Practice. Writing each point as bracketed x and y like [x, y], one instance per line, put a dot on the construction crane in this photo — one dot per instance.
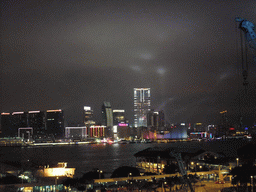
[182, 168]
[247, 28]
[246, 32]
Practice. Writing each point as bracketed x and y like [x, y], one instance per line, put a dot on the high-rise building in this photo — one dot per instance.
[19, 119]
[11, 122]
[6, 125]
[152, 119]
[88, 116]
[161, 119]
[107, 114]
[36, 120]
[155, 119]
[121, 126]
[32, 123]
[141, 106]
[119, 116]
[55, 123]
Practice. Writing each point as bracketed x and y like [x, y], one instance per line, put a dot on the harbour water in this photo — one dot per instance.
[106, 157]
[84, 158]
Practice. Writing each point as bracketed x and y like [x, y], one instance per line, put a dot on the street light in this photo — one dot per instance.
[192, 163]
[56, 181]
[100, 174]
[100, 171]
[237, 161]
[252, 183]
[129, 175]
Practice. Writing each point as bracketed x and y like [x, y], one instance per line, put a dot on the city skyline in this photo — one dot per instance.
[68, 54]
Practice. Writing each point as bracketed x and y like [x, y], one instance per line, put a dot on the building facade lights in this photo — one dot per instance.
[141, 106]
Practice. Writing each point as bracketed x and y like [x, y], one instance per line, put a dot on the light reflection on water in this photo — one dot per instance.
[103, 156]
[83, 157]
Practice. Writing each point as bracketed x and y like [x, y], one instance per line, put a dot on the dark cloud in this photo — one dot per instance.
[66, 54]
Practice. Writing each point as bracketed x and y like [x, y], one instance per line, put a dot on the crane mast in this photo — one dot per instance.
[247, 28]
[182, 168]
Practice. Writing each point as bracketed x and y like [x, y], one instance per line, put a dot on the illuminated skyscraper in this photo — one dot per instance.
[141, 106]
[152, 119]
[107, 114]
[88, 116]
[118, 116]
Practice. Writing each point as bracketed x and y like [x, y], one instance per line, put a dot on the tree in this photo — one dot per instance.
[125, 171]
[10, 179]
[243, 174]
[91, 175]
[247, 153]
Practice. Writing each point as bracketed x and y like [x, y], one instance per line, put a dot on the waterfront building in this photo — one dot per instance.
[55, 123]
[121, 127]
[119, 116]
[199, 127]
[76, 132]
[8, 141]
[25, 133]
[22, 124]
[153, 119]
[141, 106]
[223, 127]
[36, 120]
[195, 160]
[121, 131]
[161, 119]
[11, 122]
[61, 170]
[88, 116]
[36, 124]
[97, 131]
[7, 129]
[107, 116]
[19, 120]
[178, 131]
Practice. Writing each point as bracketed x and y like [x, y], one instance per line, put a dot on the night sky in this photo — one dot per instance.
[68, 54]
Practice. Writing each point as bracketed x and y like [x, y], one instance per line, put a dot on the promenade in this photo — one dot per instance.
[200, 186]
